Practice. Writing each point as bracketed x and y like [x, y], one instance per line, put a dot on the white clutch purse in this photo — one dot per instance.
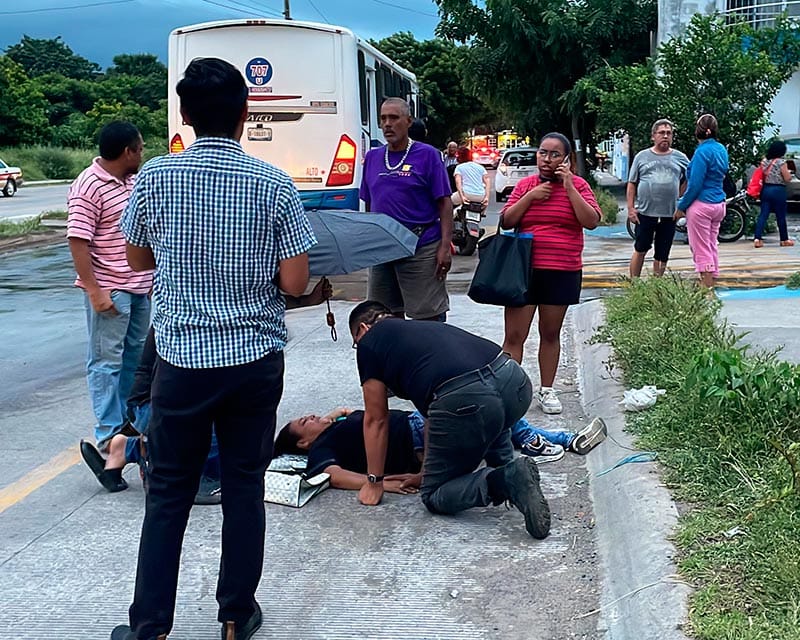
[286, 484]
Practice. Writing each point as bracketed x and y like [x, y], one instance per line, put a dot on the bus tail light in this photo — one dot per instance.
[343, 169]
[176, 144]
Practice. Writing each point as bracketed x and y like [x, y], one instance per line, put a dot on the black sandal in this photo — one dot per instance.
[111, 479]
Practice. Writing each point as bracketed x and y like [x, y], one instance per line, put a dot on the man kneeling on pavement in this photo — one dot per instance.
[471, 394]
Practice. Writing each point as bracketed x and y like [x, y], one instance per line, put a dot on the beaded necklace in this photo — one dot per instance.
[402, 160]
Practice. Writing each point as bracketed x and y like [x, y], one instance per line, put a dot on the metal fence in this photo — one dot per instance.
[762, 14]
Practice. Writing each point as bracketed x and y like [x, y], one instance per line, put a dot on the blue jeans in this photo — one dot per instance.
[521, 432]
[773, 200]
[141, 422]
[114, 349]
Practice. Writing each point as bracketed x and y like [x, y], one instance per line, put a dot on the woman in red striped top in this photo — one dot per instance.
[555, 206]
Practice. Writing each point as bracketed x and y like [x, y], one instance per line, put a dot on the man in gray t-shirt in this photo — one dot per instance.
[655, 182]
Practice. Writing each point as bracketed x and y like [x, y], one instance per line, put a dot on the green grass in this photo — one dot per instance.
[54, 215]
[47, 163]
[728, 433]
[16, 229]
[793, 281]
[59, 163]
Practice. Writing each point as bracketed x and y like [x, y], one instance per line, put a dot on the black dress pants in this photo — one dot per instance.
[241, 403]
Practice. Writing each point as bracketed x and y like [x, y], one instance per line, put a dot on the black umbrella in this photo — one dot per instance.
[349, 241]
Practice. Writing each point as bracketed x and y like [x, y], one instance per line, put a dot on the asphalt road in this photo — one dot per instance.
[30, 201]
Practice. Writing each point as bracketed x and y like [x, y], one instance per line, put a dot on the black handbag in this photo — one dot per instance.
[504, 270]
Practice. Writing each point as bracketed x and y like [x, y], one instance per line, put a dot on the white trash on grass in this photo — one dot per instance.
[640, 399]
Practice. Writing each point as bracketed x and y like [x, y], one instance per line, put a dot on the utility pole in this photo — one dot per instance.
[287, 12]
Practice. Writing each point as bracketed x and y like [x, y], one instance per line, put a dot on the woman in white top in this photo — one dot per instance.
[472, 181]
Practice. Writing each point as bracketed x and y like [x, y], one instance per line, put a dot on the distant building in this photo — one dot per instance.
[674, 15]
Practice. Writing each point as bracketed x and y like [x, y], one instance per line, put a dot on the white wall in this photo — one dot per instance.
[674, 15]
[786, 107]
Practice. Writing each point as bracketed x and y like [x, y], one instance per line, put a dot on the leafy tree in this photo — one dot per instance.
[66, 95]
[23, 117]
[138, 64]
[438, 65]
[40, 56]
[142, 75]
[526, 56]
[150, 123]
[729, 69]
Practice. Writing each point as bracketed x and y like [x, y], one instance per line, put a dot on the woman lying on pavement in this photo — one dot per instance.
[335, 445]
[129, 446]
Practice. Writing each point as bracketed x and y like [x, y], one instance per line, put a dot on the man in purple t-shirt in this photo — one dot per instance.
[407, 181]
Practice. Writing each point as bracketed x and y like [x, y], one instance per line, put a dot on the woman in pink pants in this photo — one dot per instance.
[703, 202]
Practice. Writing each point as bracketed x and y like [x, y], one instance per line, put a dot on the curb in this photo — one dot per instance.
[46, 183]
[635, 513]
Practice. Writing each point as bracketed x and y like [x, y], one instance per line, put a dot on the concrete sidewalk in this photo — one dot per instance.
[337, 570]
[333, 569]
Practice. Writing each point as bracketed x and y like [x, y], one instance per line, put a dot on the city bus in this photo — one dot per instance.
[315, 92]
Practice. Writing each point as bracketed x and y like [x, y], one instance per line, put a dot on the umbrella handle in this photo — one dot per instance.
[331, 320]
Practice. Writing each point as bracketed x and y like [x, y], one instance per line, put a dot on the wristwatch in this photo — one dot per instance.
[373, 479]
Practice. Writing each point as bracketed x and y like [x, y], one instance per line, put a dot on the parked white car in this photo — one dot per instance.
[10, 179]
[515, 164]
[793, 156]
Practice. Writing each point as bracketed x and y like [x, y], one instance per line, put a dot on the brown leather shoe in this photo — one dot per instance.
[787, 243]
[757, 244]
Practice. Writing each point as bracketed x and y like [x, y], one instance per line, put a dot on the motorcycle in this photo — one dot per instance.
[731, 228]
[467, 227]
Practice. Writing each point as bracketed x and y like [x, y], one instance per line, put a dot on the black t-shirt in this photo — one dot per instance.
[414, 357]
[342, 444]
[143, 378]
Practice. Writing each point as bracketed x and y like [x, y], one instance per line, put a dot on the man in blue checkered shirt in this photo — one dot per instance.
[225, 233]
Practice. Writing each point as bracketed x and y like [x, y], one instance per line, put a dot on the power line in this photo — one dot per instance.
[258, 8]
[74, 6]
[251, 9]
[397, 6]
[311, 2]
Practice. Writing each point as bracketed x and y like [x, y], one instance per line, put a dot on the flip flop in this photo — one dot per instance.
[111, 479]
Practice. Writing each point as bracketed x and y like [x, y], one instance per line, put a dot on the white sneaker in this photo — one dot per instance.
[548, 400]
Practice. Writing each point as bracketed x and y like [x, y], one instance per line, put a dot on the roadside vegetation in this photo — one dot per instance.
[728, 435]
[31, 226]
[608, 205]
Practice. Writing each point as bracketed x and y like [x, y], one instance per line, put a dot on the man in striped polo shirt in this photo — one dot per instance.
[115, 296]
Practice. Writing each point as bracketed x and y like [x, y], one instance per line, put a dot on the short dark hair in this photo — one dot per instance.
[463, 154]
[776, 149]
[706, 127]
[418, 131]
[286, 442]
[367, 312]
[115, 137]
[213, 94]
[555, 135]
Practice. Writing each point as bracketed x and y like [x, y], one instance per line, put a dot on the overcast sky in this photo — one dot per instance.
[101, 29]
